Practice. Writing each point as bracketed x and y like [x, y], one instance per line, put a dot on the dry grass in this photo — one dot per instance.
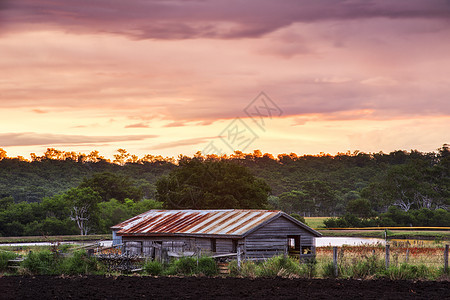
[431, 256]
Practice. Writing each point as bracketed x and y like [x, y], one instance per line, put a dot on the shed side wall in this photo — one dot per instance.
[271, 239]
[176, 244]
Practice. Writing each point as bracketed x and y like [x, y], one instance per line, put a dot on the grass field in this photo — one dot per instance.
[315, 222]
[54, 238]
[399, 234]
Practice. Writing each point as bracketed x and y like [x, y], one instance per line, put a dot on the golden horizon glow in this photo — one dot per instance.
[168, 78]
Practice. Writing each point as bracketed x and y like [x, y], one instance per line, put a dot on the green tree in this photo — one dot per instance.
[109, 185]
[211, 185]
[84, 208]
[295, 202]
[360, 207]
[320, 197]
[114, 212]
[6, 202]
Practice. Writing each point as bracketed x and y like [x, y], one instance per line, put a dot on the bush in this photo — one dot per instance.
[188, 266]
[154, 268]
[5, 256]
[78, 264]
[182, 266]
[298, 217]
[249, 269]
[278, 266]
[41, 263]
[329, 270]
[366, 268]
[410, 272]
[308, 267]
[207, 266]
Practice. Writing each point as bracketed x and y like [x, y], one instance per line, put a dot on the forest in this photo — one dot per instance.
[74, 193]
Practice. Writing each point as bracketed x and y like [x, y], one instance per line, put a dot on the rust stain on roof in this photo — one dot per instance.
[217, 222]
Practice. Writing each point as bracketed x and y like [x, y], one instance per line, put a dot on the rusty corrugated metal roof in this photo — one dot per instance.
[225, 222]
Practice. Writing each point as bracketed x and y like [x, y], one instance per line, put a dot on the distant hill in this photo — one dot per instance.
[324, 183]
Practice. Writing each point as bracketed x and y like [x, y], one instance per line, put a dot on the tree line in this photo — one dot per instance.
[39, 195]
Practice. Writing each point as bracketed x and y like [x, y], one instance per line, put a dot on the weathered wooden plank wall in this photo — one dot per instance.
[271, 239]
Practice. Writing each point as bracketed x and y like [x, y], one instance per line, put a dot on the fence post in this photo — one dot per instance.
[446, 259]
[335, 259]
[285, 254]
[407, 255]
[387, 256]
[239, 257]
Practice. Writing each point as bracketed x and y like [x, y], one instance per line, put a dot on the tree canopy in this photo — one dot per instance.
[198, 184]
[109, 185]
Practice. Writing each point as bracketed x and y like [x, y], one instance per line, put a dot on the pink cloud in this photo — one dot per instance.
[39, 111]
[137, 125]
[32, 138]
[185, 142]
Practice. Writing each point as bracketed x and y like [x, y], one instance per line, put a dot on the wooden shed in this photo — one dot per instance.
[257, 234]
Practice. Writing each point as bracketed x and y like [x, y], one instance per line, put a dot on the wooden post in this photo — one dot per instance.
[239, 257]
[387, 256]
[335, 261]
[286, 248]
[198, 256]
[407, 256]
[446, 259]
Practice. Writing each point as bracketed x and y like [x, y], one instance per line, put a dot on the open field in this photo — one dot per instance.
[315, 222]
[399, 234]
[133, 287]
[369, 261]
[54, 238]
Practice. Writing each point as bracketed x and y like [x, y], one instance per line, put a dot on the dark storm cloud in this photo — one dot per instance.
[195, 19]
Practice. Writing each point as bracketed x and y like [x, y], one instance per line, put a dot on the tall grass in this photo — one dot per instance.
[40, 263]
[365, 267]
[154, 268]
[183, 266]
[5, 256]
[50, 263]
[410, 272]
[79, 264]
[277, 266]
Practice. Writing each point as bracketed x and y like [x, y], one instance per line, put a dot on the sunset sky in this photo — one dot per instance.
[170, 77]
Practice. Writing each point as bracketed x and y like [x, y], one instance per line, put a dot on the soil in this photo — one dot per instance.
[133, 287]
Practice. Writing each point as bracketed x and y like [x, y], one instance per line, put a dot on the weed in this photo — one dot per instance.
[309, 267]
[278, 266]
[409, 272]
[190, 266]
[153, 267]
[79, 263]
